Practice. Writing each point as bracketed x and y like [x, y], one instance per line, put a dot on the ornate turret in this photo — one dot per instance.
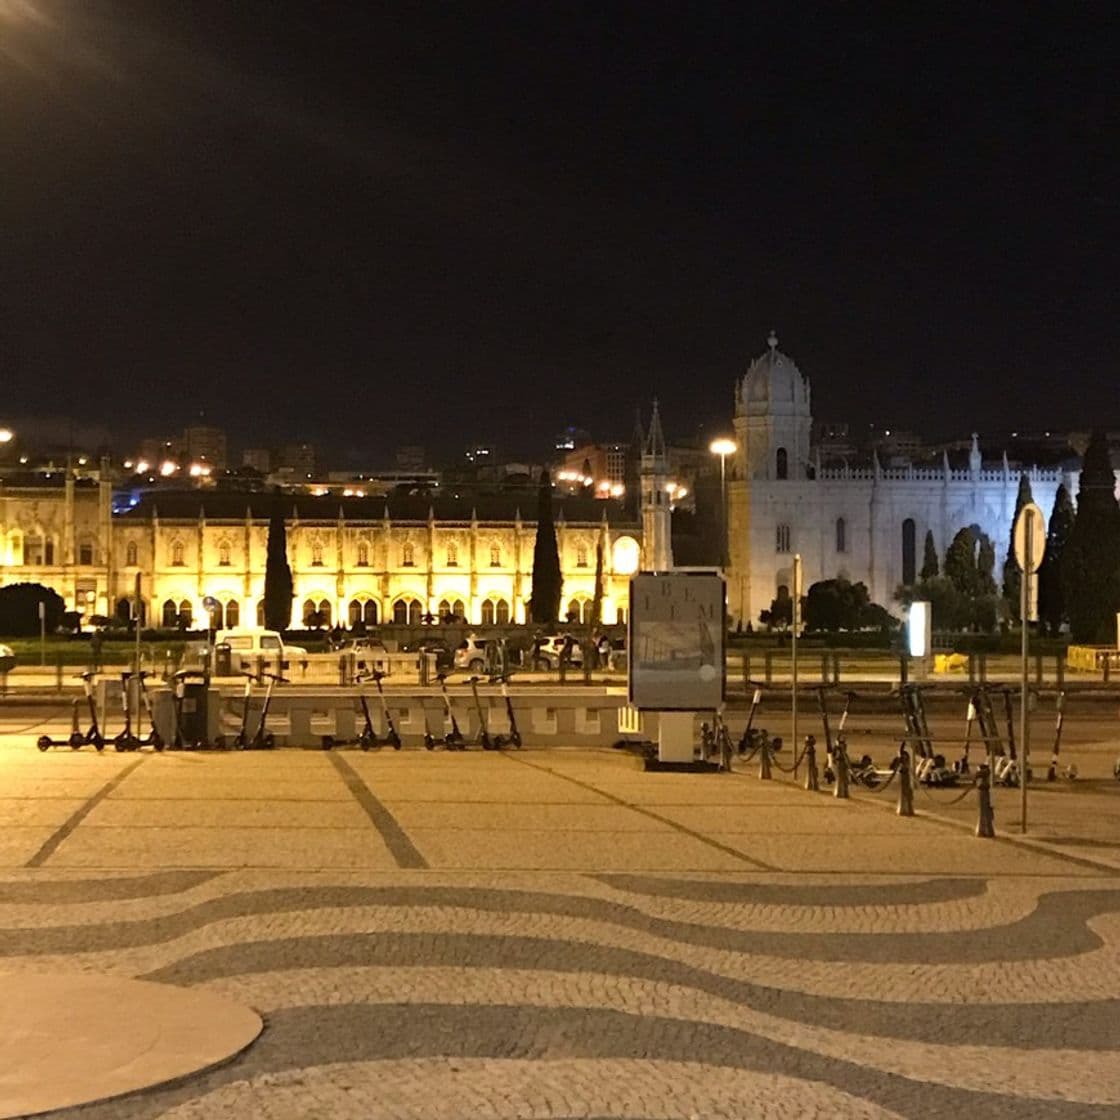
[657, 540]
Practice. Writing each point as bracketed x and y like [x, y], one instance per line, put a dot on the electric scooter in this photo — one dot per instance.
[367, 737]
[153, 738]
[862, 770]
[452, 737]
[513, 739]
[75, 740]
[93, 736]
[262, 739]
[1071, 769]
[391, 736]
[484, 740]
[125, 740]
[750, 738]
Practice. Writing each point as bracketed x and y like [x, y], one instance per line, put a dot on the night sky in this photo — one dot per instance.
[379, 223]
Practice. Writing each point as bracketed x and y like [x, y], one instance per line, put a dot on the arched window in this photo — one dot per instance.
[488, 612]
[501, 612]
[48, 550]
[841, 535]
[131, 555]
[444, 608]
[370, 612]
[233, 614]
[223, 554]
[458, 609]
[354, 612]
[176, 554]
[85, 553]
[260, 612]
[495, 556]
[309, 611]
[324, 612]
[408, 555]
[782, 539]
[406, 612]
[32, 551]
[581, 556]
[452, 555]
[363, 554]
[186, 614]
[170, 614]
[576, 610]
[123, 612]
[909, 551]
[317, 555]
[620, 615]
[782, 463]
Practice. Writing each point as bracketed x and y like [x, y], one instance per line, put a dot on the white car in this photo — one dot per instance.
[470, 654]
[553, 646]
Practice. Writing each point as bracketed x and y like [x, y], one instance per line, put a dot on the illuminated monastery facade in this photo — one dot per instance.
[866, 523]
[364, 560]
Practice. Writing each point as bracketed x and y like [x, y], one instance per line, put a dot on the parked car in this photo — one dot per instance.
[7, 659]
[470, 654]
[552, 648]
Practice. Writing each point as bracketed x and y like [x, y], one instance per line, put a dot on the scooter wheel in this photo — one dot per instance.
[327, 742]
[158, 743]
[99, 744]
[44, 743]
[76, 746]
[269, 741]
[76, 740]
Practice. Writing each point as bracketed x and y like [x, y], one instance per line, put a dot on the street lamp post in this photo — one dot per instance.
[723, 447]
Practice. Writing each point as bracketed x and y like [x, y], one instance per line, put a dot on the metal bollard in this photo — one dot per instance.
[840, 766]
[905, 784]
[764, 761]
[985, 825]
[812, 778]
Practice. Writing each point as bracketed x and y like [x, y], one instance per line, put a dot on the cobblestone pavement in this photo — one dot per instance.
[558, 934]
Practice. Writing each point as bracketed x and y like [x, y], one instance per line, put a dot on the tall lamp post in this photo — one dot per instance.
[723, 447]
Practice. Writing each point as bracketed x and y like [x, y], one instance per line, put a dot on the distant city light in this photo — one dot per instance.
[6, 435]
[199, 470]
[23, 458]
[127, 464]
[168, 468]
[142, 466]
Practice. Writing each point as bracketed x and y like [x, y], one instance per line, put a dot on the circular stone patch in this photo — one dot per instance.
[70, 1039]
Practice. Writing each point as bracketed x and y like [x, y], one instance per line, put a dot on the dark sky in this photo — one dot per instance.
[376, 223]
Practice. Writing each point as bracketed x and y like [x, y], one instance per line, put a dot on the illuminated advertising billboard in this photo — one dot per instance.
[677, 630]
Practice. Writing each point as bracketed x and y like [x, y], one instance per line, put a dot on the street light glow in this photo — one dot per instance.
[6, 435]
[723, 446]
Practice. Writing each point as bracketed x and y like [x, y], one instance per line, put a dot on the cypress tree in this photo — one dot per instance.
[960, 562]
[544, 603]
[1051, 603]
[930, 566]
[278, 588]
[1012, 573]
[985, 566]
[1090, 563]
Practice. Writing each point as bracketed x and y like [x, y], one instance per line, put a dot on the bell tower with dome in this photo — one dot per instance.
[773, 418]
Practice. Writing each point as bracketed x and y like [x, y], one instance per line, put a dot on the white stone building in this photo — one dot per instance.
[865, 523]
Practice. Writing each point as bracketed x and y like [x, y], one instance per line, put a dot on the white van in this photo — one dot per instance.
[249, 644]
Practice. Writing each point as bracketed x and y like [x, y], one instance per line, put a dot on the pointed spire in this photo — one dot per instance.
[655, 441]
[974, 458]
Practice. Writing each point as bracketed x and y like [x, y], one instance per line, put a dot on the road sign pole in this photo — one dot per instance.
[1028, 539]
[1028, 566]
[796, 616]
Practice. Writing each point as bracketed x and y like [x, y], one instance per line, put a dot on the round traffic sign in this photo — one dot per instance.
[1030, 521]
